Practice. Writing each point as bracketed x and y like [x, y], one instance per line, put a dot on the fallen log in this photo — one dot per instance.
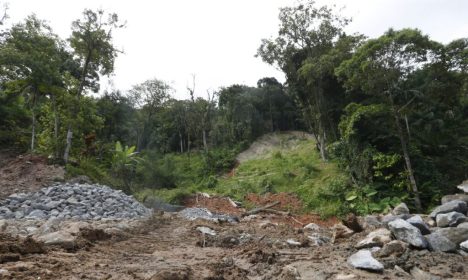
[258, 210]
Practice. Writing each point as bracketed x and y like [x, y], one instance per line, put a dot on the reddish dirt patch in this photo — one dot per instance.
[287, 201]
[215, 204]
[26, 173]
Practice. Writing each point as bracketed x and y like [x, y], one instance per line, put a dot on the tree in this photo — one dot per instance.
[91, 41]
[307, 35]
[32, 63]
[149, 97]
[381, 67]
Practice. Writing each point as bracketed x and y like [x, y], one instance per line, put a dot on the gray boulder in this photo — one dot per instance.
[401, 209]
[452, 197]
[451, 219]
[463, 225]
[363, 260]
[440, 243]
[418, 222]
[452, 206]
[408, 233]
[455, 235]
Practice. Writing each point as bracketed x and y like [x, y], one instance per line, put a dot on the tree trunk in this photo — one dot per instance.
[321, 142]
[414, 187]
[181, 140]
[33, 125]
[205, 145]
[66, 154]
[56, 121]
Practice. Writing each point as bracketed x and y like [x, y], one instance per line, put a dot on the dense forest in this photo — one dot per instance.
[391, 112]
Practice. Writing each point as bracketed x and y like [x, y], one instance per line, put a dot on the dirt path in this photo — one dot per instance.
[168, 247]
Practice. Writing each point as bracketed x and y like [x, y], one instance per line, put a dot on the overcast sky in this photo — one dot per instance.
[217, 39]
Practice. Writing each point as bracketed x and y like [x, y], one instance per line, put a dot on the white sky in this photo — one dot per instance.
[216, 39]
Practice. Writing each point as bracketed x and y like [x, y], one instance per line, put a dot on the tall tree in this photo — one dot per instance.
[91, 41]
[381, 67]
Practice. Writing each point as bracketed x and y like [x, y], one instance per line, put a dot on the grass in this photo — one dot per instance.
[292, 168]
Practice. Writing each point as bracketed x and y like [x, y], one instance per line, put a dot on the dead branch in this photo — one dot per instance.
[258, 210]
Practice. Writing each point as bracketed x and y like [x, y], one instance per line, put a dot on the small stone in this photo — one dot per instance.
[293, 242]
[395, 247]
[401, 209]
[378, 237]
[464, 245]
[37, 214]
[312, 227]
[341, 231]
[408, 233]
[418, 274]
[345, 277]
[363, 260]
[206, 230]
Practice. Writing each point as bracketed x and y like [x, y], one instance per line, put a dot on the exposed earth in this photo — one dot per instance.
[273, 244]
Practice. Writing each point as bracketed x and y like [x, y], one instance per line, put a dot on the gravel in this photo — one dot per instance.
[72, 201]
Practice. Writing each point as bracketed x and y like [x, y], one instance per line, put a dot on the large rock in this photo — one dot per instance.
[463, 225]
[370, 222]
[377, 238]
[452, 206]
[363, 260]
[418, 222]
[452, 197]
[59, 238]
[408, 233]
[440, 243]
[401, 209]
[456, 235]
[451, 219]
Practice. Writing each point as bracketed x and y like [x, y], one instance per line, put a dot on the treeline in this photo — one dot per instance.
[392, 111]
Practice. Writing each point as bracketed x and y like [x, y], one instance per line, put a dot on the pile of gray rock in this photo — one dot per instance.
[445, 229]
[204, 214]
[72, 201]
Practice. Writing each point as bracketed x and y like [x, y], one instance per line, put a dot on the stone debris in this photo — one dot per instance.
[363, 260]
[204, 214]
[72, 201]
[377, 237]
[452, 206]
[408, 233]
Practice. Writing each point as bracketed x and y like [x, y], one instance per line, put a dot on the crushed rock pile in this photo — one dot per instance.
[72, 201]
[444, 230]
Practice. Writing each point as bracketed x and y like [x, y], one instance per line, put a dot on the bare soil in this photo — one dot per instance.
[168, 247]
[26, 173]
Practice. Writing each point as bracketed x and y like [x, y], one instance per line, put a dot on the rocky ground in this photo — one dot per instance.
[214, 238]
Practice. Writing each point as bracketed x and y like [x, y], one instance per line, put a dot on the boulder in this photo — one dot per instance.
[464, 246]
[452, 197]
[377, 237]
[451, 219]
[395, 247]
[452, 206]
[463, 225]
[418, 222]
[455, 235]
[401, 209]
[408, 233]
[59, 238]
[363, 260]
[440, 243]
